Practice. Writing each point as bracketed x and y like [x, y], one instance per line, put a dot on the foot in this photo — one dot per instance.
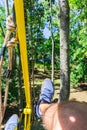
[12, 123]
[47, 92]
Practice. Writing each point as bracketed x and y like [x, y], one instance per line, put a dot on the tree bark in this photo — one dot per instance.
[6, 8]
[64, 50]
[52, 37]
[2, 30]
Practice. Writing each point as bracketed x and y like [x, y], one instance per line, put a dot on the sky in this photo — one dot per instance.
[55, 0]
[46, 32]
[1, 2]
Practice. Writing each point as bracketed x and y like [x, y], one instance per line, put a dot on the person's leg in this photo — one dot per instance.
[49, 116]
[69, 115]
[43, 107]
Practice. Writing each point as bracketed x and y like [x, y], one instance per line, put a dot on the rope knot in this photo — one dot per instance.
[12, 42]
[10, 24]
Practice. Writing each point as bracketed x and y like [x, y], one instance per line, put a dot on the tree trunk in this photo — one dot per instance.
[64, 50]
[20, 96]
[2, 30]
[52, 37]
[6, 8]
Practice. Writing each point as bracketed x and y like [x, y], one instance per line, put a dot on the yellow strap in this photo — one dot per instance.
[23, 48]
[19, 11]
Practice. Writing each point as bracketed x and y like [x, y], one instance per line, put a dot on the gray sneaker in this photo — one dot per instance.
[12, 123]
[47, 92]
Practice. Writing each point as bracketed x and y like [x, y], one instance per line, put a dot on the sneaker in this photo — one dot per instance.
[47, 92]
[12, 123]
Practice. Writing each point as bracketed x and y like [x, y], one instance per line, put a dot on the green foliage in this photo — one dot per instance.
[2, 25]
[78, 42]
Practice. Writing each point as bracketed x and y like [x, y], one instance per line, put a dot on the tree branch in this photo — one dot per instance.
[2, 31]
